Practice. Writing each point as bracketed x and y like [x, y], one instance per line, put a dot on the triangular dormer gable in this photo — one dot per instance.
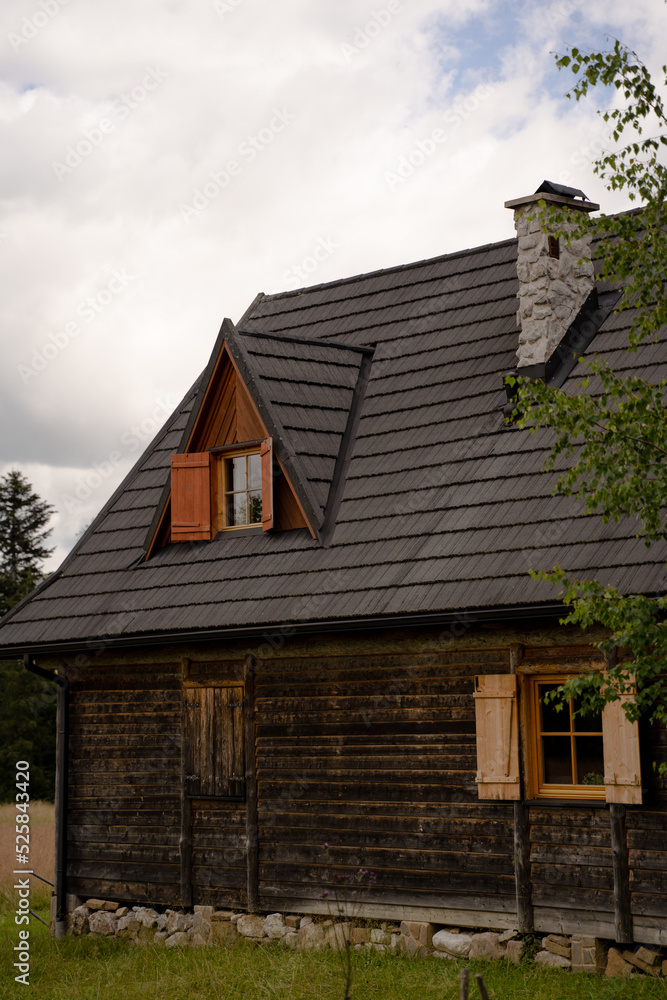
[287, 402]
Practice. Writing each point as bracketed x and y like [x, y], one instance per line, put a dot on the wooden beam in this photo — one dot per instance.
[252, 833]
[619, 855]
[524, 902]
[185, 841]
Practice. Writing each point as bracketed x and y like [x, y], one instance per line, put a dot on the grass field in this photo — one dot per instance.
[95, 969]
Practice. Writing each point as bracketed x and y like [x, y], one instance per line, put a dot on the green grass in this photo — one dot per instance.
[92, 968]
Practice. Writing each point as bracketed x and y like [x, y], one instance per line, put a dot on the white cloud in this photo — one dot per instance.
[359, 85]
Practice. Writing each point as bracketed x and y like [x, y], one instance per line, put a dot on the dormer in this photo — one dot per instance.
[265, 438]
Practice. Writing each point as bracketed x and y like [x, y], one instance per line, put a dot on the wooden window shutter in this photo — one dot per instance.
[622, 765]
[214, 734]
[266, 454]
[191, 497]
[497, 725]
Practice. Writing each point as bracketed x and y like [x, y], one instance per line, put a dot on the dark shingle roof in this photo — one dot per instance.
[443, 506]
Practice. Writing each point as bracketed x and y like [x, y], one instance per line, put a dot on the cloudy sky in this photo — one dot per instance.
[162, 162]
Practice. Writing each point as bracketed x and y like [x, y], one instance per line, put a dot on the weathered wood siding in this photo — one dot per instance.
[124, 780]
[375, 756]
[362, 744]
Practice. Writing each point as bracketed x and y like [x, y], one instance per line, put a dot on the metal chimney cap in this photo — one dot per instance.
[550, 187]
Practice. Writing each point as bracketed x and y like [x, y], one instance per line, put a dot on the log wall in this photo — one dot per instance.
[365, 744]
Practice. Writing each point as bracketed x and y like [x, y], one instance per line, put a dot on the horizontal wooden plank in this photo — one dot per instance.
[375, 742]
[646, 840]
[115, 728]
[149, 893]
[573, 898]
[81, 785]
[393, 839]
[385, 859]
[413, 880]
[338, 785]
[649, 881]
[395, 726]
[100, 836]
[651, 860]
[122, 853]
[304, 717]
[299, 811]
[586, 876]
[651, 904]
[573, 836]
[564, 854]
[569, 816]
[151, 801]
[400, 764]
[144, 818]
[120, 764]
[379, 684]
[126, 871]
[272, 892]
[219, 877]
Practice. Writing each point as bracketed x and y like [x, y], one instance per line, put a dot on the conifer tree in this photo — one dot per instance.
[23, 519]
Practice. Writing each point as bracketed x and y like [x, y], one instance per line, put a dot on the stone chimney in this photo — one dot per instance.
[553, 285]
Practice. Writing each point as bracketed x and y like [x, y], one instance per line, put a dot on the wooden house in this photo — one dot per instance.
[306, 616]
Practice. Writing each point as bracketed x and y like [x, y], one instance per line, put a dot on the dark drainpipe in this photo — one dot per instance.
[62, 739]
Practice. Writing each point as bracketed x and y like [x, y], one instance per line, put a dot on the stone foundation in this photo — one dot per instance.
[206, 927]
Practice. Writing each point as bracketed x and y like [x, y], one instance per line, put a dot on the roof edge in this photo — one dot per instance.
[462, 617]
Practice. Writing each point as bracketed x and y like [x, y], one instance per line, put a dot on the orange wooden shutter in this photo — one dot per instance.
[497, 726]
[622, 765]
[266, 454]
[190, 497]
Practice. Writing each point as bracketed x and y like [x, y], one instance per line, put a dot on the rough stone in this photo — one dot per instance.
[235, 917]
[180, 938]
[206, 911]
[514, 949]
[486, 945]
[175, 922]
[359, 935]
[664, 967]
[311, 935]
[454, 944]
[648, 955]
[122, 911]
[128, 926]
[223, 931]
[293, 921]
[222, 915]
[102, 922]
[147, 916]
[160, 936]
[378, 936]
[80, 920]
[274, 926]
[197, 941]
[251, 925]
[444, 954]
[507, 936]
[96, 904]
[556, 947]
[338, 936]
[548, 958]
[634, 959]
[588, 955]
[616, 964]
[291, 939]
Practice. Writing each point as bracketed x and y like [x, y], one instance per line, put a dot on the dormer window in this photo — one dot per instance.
[222, 489]
[240, 488]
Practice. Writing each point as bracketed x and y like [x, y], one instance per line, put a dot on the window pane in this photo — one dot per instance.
[557, 760]
[552, 721]
[236, 509]
[590, 760]
[254, 472]
[587, 723]
[235, 474]
[254, 508]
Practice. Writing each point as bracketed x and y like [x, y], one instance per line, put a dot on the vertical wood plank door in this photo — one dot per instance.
[215, 784]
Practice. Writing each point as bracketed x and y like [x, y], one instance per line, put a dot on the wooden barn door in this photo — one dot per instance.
[213, 858]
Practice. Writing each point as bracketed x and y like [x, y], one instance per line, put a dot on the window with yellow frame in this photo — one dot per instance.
[568, 753]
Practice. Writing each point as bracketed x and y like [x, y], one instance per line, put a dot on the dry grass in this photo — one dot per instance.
[41, 851]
